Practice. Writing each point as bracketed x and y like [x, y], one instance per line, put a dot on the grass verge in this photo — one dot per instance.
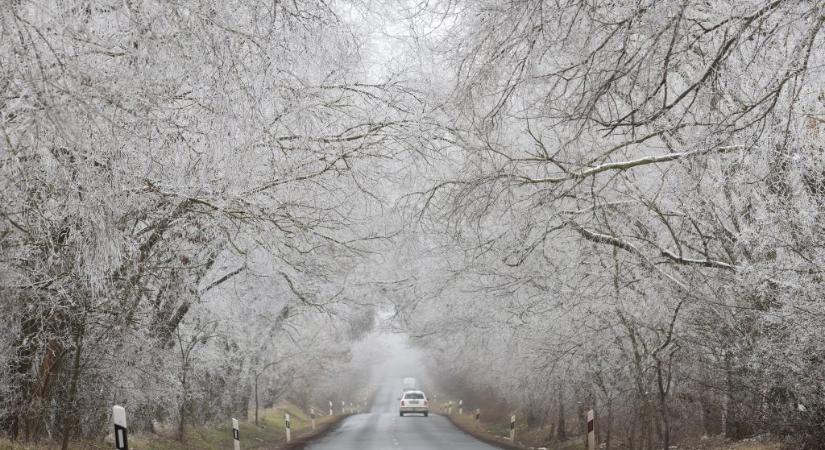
[269, 435]
[469, 425]
[495, 434]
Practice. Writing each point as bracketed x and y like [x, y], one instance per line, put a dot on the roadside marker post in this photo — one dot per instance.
[330, 407]
[312, 416]
[460, 407]
[450, 409]
[236, 434]
[121, 431]
[343, 407]
[591, 431]
[513, 428]
[288, 426]
[478, 414]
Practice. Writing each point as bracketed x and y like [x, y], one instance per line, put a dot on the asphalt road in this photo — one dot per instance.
[383, 429]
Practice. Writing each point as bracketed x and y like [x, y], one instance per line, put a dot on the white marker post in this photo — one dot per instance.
[343, 407]
[513, 428]
[236, 434]
[288, 428]
[460, 407]
[330, 407]
[121, 431]
[478, 414]
[312, 416]
[591, 431]
[450, 408]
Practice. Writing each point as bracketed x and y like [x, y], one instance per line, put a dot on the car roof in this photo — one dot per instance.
[414, 391]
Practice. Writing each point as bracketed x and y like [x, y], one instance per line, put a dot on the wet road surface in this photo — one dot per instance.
[382, 428]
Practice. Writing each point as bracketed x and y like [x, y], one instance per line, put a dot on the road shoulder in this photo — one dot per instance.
[482, 435]
[302, 441]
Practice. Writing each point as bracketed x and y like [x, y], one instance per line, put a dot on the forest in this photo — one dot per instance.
[571, 204]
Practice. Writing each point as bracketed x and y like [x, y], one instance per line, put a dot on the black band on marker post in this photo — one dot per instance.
[121, 438]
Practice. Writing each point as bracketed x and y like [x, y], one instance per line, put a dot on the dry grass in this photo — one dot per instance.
[496, 426]
[721, 444]
[751, 446]
[269, 435]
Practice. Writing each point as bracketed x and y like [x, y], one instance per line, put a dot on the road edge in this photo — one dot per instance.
[305, 439]
[483, 436]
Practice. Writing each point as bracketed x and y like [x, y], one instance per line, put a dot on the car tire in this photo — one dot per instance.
[426, 414]
[401, 414]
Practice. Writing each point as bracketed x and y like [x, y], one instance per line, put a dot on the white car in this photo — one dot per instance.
[413, 402]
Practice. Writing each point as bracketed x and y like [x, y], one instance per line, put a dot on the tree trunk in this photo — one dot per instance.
[70, 412]
[256, 400]
[39, 393]
[561, 432]
[183, 409]
[609, 424]
[664, 390]
[182, 421]
[737, 425]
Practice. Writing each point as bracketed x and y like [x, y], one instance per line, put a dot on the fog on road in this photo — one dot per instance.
[382, 428]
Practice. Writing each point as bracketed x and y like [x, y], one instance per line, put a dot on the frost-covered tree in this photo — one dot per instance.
[638, 185]
[149, 149]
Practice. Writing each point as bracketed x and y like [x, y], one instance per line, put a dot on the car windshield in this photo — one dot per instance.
[414, 396]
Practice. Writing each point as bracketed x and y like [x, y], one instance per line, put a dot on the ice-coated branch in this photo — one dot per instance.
[627, 165]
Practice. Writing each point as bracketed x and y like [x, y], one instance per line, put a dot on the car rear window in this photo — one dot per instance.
[414, 396]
